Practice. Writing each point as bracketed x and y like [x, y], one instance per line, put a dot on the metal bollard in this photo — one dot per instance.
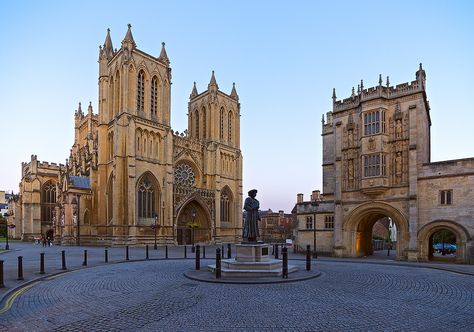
[229, 251]
[42, 263]
[106, 253]
[276, 251]
[203, 251]
[20, 268]
[218, 263]
[185, 253]
[198, 257]
[84, 263]
[2, 285]
[308, 258]
[63, 260]
[222, 251]
[166, 252]
[127, 258]
[284, 253]
[147, 257]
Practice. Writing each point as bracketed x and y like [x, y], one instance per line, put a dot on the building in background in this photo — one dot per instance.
[129, 174]
[376, 164]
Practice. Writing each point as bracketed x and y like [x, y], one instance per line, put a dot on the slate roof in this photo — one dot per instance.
[81, 182]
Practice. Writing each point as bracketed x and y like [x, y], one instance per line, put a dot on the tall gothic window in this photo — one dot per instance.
[221, 118]
[110, 199]
[204, 123]
[196, 119]
[141, 91]
[229, 120]
[48, 199]
[225, 206]
[146, 201]
[154, 96]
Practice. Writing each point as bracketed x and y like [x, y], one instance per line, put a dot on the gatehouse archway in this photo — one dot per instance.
[358, 229]
[427, 240]
[193, 221]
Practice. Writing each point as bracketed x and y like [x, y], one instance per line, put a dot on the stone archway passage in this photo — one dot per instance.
[359, 224]
[427, 231]
[200, 225]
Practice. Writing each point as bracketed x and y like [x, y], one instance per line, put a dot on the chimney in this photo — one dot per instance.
[299, 198]
[316, 196]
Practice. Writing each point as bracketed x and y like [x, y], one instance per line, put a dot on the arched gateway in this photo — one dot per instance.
[193, 224]
[357, 229]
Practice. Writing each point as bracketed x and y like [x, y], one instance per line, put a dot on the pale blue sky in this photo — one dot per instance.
[285, 58]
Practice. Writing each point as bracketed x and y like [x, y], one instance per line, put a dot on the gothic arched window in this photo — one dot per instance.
[141, 91]
[146, 198]
[229, 120]
[221, 120]
[48, 199]
[204, 123]
[225, 206]
[110, 199]
[197, 123]
[154, 96]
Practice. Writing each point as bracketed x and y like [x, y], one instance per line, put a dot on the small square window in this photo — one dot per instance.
[446, 197]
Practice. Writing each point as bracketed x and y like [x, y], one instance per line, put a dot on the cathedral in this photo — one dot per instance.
[376, 165]
[129, 177]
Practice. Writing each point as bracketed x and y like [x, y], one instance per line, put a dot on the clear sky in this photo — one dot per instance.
[284, 56]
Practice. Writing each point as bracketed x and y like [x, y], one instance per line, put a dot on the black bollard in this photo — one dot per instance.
[229, 251]
[106, 253]
[284, 253]
[42, 263]
[273, 250]
[84, 263]
[222, 251]
[2, 285]
[198, 257]
[308, 258]
[63, 260]
[218, 263]
[203, 251]
[126, 254]
[166, 252]
[147, 257]
[185, 253]
[20, 268]
[276, 251]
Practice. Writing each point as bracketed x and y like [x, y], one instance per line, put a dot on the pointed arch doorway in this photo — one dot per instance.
[193, 218]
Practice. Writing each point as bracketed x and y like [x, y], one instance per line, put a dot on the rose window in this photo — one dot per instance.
[184, 175]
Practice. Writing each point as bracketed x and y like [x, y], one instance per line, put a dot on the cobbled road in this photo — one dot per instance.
[156, 296]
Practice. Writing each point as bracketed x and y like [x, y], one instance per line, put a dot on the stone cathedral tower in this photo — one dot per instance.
[128, 171]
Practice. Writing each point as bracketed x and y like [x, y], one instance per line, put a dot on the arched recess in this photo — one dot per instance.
[230, 120]
[154, 97]
[204, 122]
[117, 94]
[196, 124]
[147, 202]
[357, 228]
[48, 201]
[226, 207]
[131, 80]
[200, 224]
[110, 199]
[462, 238]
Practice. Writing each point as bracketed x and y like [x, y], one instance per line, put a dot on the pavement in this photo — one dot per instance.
[375, 293]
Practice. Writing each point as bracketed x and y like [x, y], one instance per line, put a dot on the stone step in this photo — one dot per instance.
[251, 273]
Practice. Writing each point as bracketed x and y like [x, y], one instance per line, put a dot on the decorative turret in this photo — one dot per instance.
[233, 93]
[89, 109]
[388, 82]
[108, 47]
[163, 56]
[380, 80]
[361, 85]
[128, 41]
[421, 75]
[194, 93]
[79, 113]
[213, 83]
[333, 95]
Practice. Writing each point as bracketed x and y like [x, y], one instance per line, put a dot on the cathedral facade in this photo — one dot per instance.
[376, 164]
[129, 175]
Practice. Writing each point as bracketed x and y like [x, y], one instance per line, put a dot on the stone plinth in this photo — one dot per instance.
[252, 260]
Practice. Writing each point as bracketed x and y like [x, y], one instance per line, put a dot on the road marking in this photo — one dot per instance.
[12, 298]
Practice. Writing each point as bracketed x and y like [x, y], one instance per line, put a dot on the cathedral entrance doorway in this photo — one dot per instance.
[193, 224]
[374, 228]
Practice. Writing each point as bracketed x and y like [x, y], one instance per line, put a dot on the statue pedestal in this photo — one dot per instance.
[252, 260]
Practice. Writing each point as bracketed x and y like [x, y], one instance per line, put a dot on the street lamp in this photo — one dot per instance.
[155, 226]
[193, 215]
[7, 246]
[314, 205]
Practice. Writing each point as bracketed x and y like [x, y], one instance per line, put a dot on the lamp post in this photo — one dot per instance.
[193, 215]
[314, 205]
[155, 226]
[7, 246]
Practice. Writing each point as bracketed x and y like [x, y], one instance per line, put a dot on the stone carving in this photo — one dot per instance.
[250, 231]
[398, 167]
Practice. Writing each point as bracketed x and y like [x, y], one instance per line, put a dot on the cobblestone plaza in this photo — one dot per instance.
[155, 295]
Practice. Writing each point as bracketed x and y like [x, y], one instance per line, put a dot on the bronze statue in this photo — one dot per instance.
[250, 231]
